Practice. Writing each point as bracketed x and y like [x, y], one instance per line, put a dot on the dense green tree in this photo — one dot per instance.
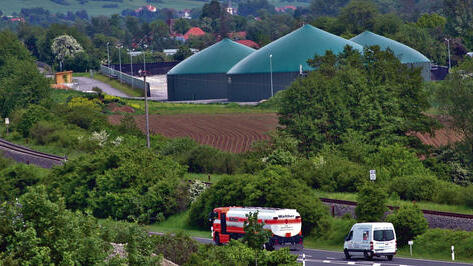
[371, 206]
[373, 94]
[460, 19]
[409, 222]
[181, 25]
[126, 183]
[212, 10]
[20, 81]
[456, 100]
[326, 8]
[255, 236]
[359, 15]
[182, 53]
[251, 7]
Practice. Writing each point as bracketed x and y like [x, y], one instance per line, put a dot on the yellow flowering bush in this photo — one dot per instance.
[94, 104]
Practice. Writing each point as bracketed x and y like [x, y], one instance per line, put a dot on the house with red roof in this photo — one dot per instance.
[194, 32]
[249, 43]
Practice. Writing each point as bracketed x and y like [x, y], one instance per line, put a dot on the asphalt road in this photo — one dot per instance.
[87, 84]
[315, 257]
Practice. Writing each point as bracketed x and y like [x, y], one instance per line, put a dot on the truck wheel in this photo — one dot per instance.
[390, 257]
[217, 239]
[368, 255]
[347, 255]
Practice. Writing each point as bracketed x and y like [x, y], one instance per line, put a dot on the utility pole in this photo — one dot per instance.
[131, 67]
[449, 60]
[108, 55]
[146, 101]
[120, 61]
[271, 72]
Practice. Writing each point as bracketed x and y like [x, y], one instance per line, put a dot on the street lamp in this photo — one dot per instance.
[108, 55]
[271, 72]
[120, 61]
[449, 61]
[131, 67]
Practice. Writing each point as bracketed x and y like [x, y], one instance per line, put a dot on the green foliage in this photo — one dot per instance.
[409, 222]
[237, 253]
[127, 183]
[336, 232]
[272, 187]
[373, 94]
[20, 81]
[177, 248]
[182, 53]
[206, 159]
[439, 241]
[371, 203]
[255, 236]
[16, 178]
[37, 231]
[415, 187]
[359, 15]
[30, 116]
[456, 101]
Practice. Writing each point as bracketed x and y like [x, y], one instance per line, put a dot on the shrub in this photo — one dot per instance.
[31, 115]
[439, 241]
[177, 248]
[127, 183]
[448, 193]
[409, 221]
[415, 187]
[236, 253]
[85, 118]
[16, 178]
[206, 159]
[337, 231]
[42, 132]
[371, 203]
[272, 187]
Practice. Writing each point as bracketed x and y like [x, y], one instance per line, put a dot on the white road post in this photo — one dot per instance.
[303, 259]
[453, 253]
[410, 242]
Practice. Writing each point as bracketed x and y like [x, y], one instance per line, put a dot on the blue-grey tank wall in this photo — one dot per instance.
[197, 87]
[256, 87]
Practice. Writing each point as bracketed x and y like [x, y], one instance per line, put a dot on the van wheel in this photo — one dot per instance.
[347, 255]
[390, 257]
[368, 255]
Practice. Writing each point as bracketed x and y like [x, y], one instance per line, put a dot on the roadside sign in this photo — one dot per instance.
[7, 121]
[372, 175]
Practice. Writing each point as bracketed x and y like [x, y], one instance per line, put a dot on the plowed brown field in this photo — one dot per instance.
[229, 132]
[237, 132]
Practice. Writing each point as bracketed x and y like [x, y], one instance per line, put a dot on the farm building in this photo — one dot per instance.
[284, 59]
[203, 75]
[404, 53]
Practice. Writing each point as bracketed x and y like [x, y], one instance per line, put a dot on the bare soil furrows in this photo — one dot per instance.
[237, 132]
[229, 132]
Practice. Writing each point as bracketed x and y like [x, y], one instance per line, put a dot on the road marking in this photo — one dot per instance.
[330, 258]
[376, 264]
[351, 262]
[326, 261]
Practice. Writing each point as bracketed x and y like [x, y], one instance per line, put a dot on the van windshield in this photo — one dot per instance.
[383, 235]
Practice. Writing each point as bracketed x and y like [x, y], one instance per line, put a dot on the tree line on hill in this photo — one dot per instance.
[423, 25]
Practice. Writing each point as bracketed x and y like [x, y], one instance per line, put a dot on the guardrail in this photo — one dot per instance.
[130, 80]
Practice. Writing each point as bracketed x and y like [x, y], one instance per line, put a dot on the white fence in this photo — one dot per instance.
[130, 80]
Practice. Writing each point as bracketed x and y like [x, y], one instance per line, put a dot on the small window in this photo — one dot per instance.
[383, 235]
[366, 235]
[349, 236]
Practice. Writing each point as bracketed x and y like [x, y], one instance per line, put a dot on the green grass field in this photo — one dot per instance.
[176, 223]
[94, 8]
[422, 204]
[164, 108]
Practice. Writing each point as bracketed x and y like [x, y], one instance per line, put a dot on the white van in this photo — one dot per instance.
[371, 239]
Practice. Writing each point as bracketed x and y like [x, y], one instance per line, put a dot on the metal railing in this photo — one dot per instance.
[125, 78]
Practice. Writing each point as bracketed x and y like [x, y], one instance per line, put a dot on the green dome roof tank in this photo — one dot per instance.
[218, 58]
[404, 53]
[293, 50]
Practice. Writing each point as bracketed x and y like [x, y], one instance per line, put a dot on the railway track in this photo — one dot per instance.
[25, 155]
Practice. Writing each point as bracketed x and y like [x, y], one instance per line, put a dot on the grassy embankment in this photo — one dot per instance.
[123, 87]
[164, 108]
[424, 205]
